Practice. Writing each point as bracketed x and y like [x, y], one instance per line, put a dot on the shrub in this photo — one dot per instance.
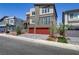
[62, 39]
[63, 28]
[18, 30]
[52, 38]
[7, 31]
[49, 39]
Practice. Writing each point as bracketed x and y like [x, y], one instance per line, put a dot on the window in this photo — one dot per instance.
[48, 20]
[33, 13]
[45, 10]
[71, 16]
[11, 21]
[74, 16]
[32, 21]
[45, 20]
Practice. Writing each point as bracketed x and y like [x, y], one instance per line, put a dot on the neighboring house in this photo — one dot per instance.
[41, 18]
[71, 18]
[11, 23]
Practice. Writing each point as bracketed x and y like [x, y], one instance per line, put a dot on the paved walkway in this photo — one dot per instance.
[35, 36]
[73, 40]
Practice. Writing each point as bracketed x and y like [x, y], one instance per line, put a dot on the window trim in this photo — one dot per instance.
[33, 13]
[45, 20]
[74, 15]
[45, 10]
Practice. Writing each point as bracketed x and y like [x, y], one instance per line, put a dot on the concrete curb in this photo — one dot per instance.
[50, 43]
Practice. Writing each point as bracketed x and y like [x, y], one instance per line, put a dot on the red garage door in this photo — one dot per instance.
[42, 31]
[31, 30]
[39, 30]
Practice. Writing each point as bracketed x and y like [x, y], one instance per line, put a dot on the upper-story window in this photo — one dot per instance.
[45, 10]
[33, 13]
[45, 20]
[11, 21]
[74, 16]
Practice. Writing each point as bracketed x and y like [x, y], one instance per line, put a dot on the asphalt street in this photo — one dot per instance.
[10, 46]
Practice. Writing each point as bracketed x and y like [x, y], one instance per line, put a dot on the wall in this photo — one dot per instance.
[72, 33]
[68, 21]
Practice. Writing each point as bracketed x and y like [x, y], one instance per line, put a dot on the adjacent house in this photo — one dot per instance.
[41, 17]
[10, 23]
[71, 18]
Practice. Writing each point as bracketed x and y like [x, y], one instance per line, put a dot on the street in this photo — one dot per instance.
[10, 46]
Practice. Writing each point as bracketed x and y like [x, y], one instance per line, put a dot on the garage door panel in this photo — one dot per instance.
[39, 30]
[42, 31]
[31, 30]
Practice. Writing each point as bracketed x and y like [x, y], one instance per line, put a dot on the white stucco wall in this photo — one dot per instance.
[66, 19]
[32, 10]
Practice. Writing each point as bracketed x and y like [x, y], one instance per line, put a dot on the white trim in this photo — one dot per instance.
[2, 25]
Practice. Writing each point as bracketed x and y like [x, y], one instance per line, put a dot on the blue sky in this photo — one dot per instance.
[20, 9]
[14, 9]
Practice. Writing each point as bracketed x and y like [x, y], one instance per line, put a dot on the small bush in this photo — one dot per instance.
[7, 31]
[49, 39]
[52, 38]
[62, 39]
[18, 31]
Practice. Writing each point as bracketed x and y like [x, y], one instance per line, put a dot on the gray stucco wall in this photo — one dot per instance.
[72, 33]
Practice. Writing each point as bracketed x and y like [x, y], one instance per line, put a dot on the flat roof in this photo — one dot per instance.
[39, 4]
[72, 10]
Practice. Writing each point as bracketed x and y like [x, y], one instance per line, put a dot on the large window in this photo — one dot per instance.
[45, 10]
[11, 21]
[45, 20]
[33, 13]
[32, 21]
[74, 16]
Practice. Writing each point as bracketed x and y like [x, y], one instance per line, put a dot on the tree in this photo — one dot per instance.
[53, 30]
[63, 28]
[18, 30]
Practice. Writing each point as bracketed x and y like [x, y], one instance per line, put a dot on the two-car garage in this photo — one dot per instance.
[39, 30]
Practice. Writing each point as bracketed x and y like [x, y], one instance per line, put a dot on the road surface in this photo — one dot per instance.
[10, 46]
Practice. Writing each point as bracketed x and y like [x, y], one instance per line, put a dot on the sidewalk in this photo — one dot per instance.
[35, 36]
[44, 42]
[73, 40]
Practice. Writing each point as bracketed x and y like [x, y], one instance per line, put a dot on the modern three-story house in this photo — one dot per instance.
[71, 18]
[41, 18]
